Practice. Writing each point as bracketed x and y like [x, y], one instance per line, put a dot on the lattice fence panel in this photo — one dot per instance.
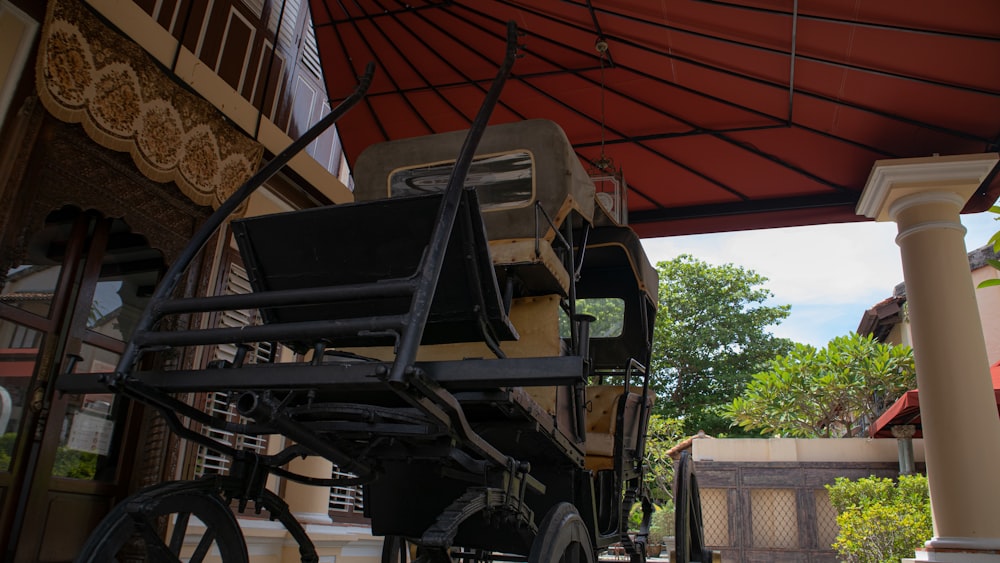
[715, 516]
[773, 518]
[826, 520]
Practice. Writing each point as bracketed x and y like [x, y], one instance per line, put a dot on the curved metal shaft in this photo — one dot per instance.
[173, 275]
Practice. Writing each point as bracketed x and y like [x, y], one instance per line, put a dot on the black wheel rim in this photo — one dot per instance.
[562, 538]
[134, 525]
[395, 549]
[689, 532]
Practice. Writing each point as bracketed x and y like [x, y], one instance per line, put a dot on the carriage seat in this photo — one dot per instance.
[602, 406]
[536, 320]
[603, 402]
[540, 272]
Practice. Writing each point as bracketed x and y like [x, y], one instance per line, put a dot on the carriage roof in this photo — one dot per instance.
[519, 168]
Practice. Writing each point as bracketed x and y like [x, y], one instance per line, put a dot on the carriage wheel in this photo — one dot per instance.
[562, 538]
[395, 549]
[688, 528]
[132, 528]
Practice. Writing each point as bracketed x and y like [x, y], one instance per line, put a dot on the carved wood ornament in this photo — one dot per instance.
[92, 75]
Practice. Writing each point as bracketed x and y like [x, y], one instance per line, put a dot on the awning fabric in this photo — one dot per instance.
[722, 115]
[906, 410]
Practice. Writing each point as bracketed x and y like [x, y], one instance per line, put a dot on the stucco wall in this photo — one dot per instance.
[765, 499]
[989, 307]
[801, 450]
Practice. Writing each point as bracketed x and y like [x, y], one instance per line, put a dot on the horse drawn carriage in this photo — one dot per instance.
[471, 340]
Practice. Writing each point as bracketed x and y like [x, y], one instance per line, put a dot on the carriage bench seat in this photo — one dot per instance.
[602, 406]
[536, 320]
[603, 402]
[363, 250]
[533, 262]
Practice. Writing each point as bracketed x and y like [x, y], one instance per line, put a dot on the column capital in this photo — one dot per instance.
[903, 431]
[893, 179]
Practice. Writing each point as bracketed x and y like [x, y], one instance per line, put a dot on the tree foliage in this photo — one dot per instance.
[995, 243]
[711, 335]
[880, 521]
[661, 435]
[608, 313]
[827, 393]
[68, 463]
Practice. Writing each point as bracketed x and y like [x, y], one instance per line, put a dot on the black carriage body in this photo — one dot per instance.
[420, 470]
[445, 355]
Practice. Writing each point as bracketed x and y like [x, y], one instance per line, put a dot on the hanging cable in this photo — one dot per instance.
[603, 163]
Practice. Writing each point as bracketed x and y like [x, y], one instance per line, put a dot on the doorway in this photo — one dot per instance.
[67, 307]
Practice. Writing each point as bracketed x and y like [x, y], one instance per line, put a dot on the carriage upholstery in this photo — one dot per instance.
[603, 403]
[537, 266]
[535, 319]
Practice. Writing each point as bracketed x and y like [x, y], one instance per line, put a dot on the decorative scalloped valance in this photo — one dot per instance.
[90, 74]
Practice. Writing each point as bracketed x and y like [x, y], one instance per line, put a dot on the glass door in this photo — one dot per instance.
[66, 460]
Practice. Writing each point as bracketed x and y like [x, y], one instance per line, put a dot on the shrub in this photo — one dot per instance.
[6, 449]
[661, 524]
[881, 521]
[69, 463]
[74, 464]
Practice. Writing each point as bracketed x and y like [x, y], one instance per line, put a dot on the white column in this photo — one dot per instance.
[960, 425]
[309, 505]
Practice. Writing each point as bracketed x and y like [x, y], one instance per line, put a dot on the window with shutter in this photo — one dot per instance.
[289, 16]
[221, 404]
[310, 53]
[345, 501]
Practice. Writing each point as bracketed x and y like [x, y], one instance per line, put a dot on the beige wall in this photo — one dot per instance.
[269, 542]
[988, 299]
[989, 310]
[801, 450]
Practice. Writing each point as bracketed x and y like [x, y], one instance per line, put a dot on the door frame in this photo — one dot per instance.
[34, 490]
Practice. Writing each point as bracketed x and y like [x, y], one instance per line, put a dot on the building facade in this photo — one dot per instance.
[888, 321]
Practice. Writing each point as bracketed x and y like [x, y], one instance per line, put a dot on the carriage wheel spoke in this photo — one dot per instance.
[203, 546]
[180, 530]
[136, 523]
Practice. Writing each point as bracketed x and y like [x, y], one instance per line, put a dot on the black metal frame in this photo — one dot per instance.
[325, 404]
[411, 384]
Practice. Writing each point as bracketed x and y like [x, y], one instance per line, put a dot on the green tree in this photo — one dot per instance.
[6, 450]
[711, 335]
[74, 464]
[68, 463]
[995, 243]
[828, 393]
[881, 521]
[661, 435]
[608, 313]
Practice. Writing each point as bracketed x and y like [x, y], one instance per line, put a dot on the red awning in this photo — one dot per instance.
[17, 362]
[906, 410]
[723, 115]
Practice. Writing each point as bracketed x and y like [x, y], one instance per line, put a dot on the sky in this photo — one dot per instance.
[829, 274]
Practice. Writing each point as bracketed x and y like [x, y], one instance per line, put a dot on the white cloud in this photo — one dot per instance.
[829, 273]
